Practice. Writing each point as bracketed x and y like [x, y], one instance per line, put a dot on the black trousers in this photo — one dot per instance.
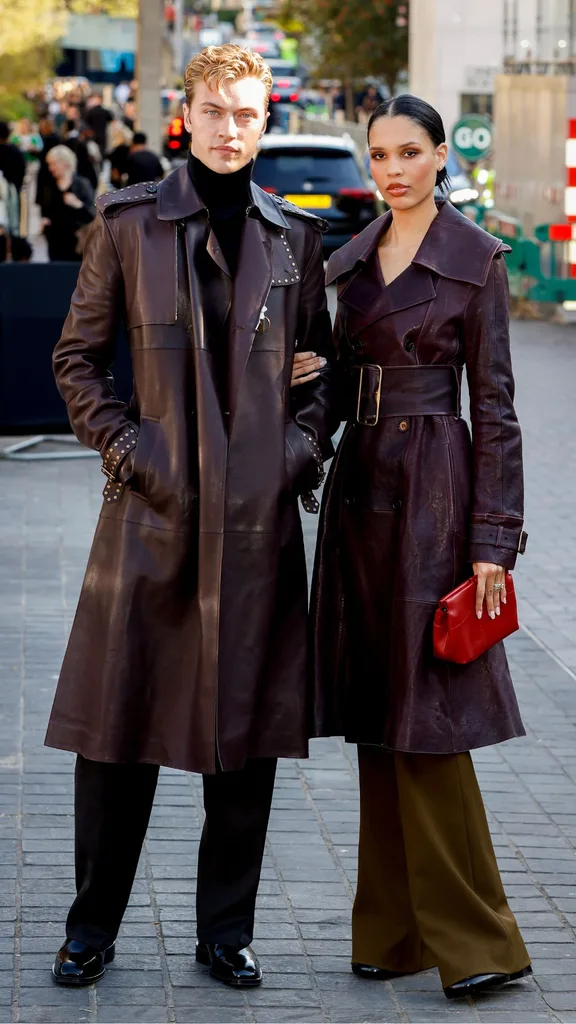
[113, 803]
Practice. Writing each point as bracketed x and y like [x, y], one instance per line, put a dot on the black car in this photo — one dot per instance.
[323, 174]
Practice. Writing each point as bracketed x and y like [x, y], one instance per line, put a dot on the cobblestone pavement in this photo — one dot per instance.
[47, 513]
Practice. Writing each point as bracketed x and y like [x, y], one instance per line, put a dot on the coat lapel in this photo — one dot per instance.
[371, 300]
[251, 288]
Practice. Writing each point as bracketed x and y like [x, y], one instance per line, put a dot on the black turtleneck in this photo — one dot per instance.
[227, 198]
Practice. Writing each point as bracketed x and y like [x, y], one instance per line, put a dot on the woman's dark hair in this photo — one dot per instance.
[422, 114]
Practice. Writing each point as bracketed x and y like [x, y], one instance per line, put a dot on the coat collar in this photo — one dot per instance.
[177, 199]
[453, 247]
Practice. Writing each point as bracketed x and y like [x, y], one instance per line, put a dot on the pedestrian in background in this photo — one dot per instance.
[9, 216]
[141, 163]
[97, 118]
[129, 113]
[27, 139]
[67, 206]
[50, 139]
[12, 162]
[85, 164]
[120, 140]
[410, 510]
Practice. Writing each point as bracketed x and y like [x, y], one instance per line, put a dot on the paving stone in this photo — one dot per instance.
[212, 1015]
[146, 1014]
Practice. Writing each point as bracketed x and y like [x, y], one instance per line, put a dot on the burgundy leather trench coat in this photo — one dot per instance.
[188, 648]
[410, 503]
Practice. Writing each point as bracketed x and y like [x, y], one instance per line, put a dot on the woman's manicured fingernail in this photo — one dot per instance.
[492, 615]
[503, 600]
[479, 614]
[322, 362]
[497, 611]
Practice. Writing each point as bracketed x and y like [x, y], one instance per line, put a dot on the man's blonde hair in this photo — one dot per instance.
[219, 64]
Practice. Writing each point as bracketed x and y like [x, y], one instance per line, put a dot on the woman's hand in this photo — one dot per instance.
[45, 223]
[307, 366]
[491, 586]
[71, 200]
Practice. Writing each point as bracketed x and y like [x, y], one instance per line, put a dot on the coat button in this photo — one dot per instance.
[403, 426]
[152, 189]
[397, 505]
[190, 328]
[409, 345]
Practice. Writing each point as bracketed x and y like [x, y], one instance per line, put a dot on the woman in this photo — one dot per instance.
[411, 509]
[67, 206]
[120, 142]
[50, 139]
[28, 140]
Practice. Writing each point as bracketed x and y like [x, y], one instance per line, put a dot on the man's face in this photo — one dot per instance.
[226, 126]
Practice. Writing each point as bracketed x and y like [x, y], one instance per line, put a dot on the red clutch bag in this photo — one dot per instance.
[459, 635]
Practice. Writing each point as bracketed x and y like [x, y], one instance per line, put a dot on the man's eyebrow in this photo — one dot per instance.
[216, 106]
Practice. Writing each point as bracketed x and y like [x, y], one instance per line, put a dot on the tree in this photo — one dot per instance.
[354, 39]
[29, 34]
[114, 8]
[30, 31]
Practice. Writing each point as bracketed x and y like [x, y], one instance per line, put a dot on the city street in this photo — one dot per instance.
[47, 515]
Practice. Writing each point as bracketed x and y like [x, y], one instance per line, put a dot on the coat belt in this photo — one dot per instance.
[382, 391]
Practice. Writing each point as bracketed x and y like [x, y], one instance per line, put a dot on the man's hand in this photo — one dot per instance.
[307, 366]
[491, 587]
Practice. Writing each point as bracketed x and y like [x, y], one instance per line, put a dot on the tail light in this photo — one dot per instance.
[294, 97]
[173, 144]
[176, 127]
[365, 195]
[275, 97]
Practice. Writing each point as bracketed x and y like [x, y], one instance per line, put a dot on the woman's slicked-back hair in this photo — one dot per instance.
[422, 114]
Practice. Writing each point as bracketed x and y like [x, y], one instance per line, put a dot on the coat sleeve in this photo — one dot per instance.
[313, 408]
[496, 533]
[86, 350]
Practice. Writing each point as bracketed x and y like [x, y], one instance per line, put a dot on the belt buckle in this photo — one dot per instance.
[373, 421]
[109, 473]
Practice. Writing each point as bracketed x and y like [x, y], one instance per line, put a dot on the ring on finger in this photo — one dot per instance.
[499, 586]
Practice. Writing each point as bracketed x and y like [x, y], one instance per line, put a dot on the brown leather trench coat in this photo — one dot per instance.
[409, 502]
[188, 648]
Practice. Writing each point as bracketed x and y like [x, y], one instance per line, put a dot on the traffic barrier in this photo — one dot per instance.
[34, 302]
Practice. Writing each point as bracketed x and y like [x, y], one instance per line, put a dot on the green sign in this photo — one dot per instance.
[472, 137]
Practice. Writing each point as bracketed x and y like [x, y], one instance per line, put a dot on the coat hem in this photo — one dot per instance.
[403, 749]
[56, 739]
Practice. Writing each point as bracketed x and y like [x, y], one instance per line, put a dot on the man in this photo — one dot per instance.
[189, 644]
[97, 118]
[12, 162]
[142, 164]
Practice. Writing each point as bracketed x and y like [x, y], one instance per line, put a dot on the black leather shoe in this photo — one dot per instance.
[238, 967]
[375, 973]
[482, 982]
[79, 964]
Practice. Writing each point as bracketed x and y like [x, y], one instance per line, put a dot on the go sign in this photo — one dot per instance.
[472, 137]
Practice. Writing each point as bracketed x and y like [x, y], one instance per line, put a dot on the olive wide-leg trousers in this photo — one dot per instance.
[429, 890]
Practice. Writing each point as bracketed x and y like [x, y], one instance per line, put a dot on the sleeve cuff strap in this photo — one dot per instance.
[116, 452]
[499, 536]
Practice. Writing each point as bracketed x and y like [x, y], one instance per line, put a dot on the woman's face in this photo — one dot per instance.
[404, 161]
[58, 168]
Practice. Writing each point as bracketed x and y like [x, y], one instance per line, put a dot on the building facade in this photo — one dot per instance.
[457, 47]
